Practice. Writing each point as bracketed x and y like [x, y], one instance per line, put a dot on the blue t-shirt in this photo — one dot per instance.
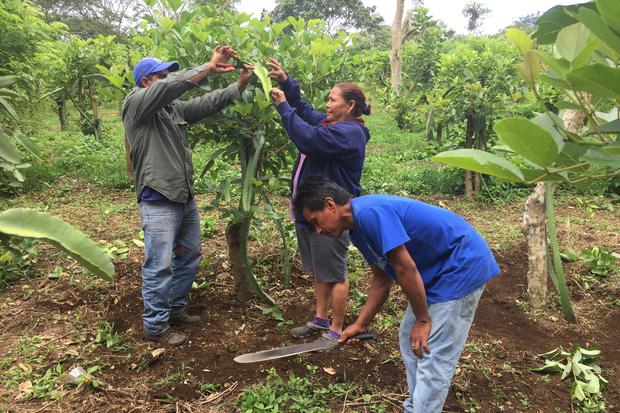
[452, 258]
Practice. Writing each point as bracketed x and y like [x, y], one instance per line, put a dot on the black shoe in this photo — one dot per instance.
[309, 330]
[167, 338]
[183, 319]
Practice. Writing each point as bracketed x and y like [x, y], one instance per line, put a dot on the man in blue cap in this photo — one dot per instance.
[156, 123]
[440, 262]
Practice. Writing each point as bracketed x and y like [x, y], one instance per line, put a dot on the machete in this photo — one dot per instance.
[323, 343]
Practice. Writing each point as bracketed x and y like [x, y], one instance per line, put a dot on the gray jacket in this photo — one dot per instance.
[156, 128]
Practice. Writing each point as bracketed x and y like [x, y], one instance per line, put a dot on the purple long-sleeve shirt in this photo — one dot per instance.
[335, 151]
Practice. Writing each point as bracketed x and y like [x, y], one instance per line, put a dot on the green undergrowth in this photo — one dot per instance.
[295, 394]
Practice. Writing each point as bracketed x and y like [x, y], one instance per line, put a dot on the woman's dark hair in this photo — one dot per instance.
[313, 190]
[351, 91]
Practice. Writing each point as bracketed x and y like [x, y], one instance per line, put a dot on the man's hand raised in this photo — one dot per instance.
[245, 75]
[220, 56]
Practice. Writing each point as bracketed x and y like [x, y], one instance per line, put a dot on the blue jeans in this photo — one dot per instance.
[429, 378]
[172, 256]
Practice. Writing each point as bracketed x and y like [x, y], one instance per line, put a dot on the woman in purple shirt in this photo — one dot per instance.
[331, 144]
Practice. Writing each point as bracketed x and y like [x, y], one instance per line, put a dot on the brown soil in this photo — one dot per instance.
[493, 375]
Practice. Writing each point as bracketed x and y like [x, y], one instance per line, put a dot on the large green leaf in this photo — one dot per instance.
[550, 122]
[247, 189]
[571, 155]
[8, 151]
[529, 140]
[265, 80]
[599, 157]
[520, 39]
[7, 80]
[539, 175]
[572, 40]
[609, 127]
[554, 20]
[613, 148]
[529, 69]
[598, 79]
[597, 26]
[561, 66]
[9, 108]
[610, 12]
[555, 81]
[482, 162]
[34, 224]
[27, 144]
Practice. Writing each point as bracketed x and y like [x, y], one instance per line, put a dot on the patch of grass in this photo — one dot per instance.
[24, 369]
[177, 376]
[17, 257]
[306, 394]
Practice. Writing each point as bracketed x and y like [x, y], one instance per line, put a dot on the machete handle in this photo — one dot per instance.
[240, 64]
[365, 336]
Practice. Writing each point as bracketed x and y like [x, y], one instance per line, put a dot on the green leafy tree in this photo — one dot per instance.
[75, 76]
[11, 160]
[91, 18]
[475, 13]
[548, 148]
[476, 84]
[249, 134]
[526, 23]
[25, 35]
[20, 222]
[338, 14]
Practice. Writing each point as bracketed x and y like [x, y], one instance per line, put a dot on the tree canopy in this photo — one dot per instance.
[89, 18]
[475, 13]
[338, 14]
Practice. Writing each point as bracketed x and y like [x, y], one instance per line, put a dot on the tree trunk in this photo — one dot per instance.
[234, 234]
[95, 110]
[574, 119]
[397, 47]
[61, 109]
[535, 232]
[438, 134]
[535, 228]
[80, 100]
[469, 142]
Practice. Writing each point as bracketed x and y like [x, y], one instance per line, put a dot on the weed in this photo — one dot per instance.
[117, 250]
[276, 313]
[207, 226]
[587, 384]
[176, 377]
[600, 261]
[17, 257]
[525, 401]
[47, 385]
[595, 203]
[108, 337]
[88, 381]
[208, 388]
[305, 394]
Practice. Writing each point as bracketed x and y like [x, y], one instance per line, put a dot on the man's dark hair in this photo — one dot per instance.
[313, 190]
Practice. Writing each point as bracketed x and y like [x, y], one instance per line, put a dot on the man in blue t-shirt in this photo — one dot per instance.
[440, 262]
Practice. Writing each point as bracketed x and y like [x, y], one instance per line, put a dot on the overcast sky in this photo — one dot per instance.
[503, 12]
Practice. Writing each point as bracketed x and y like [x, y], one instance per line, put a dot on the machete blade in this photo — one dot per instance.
[322, 343]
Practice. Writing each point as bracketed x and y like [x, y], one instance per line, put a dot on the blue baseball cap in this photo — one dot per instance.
[150, 65]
